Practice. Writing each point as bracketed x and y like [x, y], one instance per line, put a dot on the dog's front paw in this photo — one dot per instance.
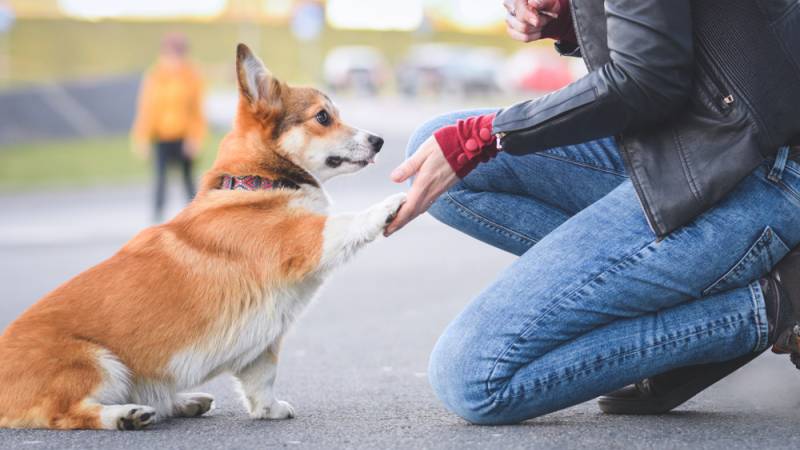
[381, 214]
[384, 212]
[278, 410]
[392, 205]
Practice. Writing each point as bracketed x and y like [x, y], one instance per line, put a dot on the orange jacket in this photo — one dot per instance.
[170, 106]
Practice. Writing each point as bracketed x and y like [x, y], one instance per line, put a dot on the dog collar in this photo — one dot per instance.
[254, 183]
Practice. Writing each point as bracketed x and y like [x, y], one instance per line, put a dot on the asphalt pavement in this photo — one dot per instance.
[354, 366]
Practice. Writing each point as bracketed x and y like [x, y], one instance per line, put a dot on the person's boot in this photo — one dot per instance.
[665, 392]
[782, 296]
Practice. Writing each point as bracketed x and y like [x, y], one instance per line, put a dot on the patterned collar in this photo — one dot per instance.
[254, 183]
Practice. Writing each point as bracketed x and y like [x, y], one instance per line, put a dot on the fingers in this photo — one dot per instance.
[514, 23]
[525, 14]
[409, 167]
[433, 177]
[551, 8]
[413, 207]
[523, 22]
[523, 37]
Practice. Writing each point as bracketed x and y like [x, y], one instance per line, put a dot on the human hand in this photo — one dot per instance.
[527, 18]
[434, 176]
[190, 149]
[141, 150]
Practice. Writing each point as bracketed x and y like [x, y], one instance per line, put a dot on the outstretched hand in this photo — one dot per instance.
[433, 176]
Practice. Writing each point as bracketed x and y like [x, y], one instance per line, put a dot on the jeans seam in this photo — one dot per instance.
[526, 327]
[789, 192]
[791, 168]
[601, 362]
[755, 295]
[584, 164]
[481, 220]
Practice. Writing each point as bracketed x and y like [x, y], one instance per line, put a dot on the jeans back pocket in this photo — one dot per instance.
[759, 259]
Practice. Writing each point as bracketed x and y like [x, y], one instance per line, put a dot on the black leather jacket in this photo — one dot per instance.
[697, 92]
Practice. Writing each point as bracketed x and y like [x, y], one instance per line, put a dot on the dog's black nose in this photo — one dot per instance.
[376, 142]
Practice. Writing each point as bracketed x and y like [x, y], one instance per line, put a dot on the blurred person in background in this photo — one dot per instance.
[170, 117]
[653, 205]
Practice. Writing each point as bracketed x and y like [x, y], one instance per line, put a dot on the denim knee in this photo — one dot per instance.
[459, 380]
[442, 210]
[425, 131]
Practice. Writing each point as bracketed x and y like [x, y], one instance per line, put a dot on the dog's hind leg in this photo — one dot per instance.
[107, 407]
[126, 417]
[114, 395]
[87, 415]
[71, 384]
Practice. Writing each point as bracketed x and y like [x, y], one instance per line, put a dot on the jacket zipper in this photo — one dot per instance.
[727, 98]
[554, 121]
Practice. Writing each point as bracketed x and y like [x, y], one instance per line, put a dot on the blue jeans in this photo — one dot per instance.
[595, 301]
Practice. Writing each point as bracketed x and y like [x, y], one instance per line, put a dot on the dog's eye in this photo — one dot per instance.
[323, 117]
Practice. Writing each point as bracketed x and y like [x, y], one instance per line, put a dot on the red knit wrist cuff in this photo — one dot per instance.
[467, 143]
[448, 141]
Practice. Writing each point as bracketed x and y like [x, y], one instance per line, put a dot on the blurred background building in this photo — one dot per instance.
[70, 71]
[74, 65]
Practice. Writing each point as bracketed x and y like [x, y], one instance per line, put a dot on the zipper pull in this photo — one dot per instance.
[499, 137]
[728, 100]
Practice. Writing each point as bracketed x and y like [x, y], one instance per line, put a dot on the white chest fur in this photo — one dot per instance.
[236, 341]
[313, 199]
[242, 335]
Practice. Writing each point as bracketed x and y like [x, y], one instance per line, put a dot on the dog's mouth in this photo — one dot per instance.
[336, 161]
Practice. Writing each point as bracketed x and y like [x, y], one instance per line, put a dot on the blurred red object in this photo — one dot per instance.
[546, 78]
[539, 70]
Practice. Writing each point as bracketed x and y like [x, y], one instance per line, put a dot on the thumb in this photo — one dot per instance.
[408, 168]
[552, 6]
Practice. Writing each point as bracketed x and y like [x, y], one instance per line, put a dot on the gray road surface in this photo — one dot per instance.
[355, 365]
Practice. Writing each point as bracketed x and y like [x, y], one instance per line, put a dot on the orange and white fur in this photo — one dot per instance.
[211, 291]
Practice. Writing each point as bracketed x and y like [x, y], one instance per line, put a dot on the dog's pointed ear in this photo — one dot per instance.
[255, 79]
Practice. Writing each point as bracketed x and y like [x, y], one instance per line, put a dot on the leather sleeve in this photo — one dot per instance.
[647, 79]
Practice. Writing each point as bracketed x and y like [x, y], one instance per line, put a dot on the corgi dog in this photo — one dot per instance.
[211, 291]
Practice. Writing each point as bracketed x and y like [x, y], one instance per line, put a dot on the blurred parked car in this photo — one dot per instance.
[540, 70]
[449, 69]
[360, 69]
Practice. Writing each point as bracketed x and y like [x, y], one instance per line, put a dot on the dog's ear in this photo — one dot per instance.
[255, 80]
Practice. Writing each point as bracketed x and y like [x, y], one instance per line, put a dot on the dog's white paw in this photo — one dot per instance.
[193, 405]
[383, 213]
[135, 417]
[392, 205]
[278, 410]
